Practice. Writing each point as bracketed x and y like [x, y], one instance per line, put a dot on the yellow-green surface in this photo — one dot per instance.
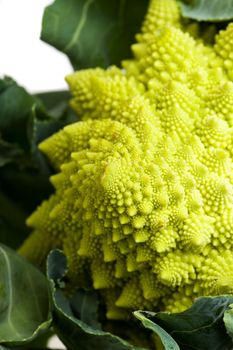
[143, 190]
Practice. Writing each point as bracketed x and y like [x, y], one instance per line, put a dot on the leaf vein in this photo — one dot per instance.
[80, 26]
[8, 266]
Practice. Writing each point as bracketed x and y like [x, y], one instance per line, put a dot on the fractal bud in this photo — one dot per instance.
[144, 182]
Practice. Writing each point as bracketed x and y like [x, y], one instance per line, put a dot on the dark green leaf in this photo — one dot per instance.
[15, 105]
[41, 341]
[84, 305]
[24, 173]
[24, 121]
[52, 99]
[8, 152]
[24, 299]
[93, 32]
[76, 328]
[11, 231]
[201, 327]
[228, 321]
[208, 10]
[56, 266]
[167, 341]
[56, 104]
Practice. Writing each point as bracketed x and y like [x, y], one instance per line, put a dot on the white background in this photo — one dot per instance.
[32, 63]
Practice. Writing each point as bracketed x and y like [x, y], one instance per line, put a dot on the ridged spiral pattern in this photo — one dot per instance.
[144, 183]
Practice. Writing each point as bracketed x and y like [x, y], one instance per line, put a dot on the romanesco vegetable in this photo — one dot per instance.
[143, 191]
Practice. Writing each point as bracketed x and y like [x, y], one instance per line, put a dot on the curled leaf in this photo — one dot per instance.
[76, 322]
[93, 32]
[201, 327]
[208, 10]
[24, 299]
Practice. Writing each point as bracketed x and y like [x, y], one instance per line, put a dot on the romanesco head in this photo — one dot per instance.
[143, 191]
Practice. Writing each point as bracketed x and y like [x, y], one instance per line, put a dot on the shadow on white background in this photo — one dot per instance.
[23, 56]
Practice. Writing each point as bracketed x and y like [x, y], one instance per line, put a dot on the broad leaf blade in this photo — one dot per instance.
[73, 328]
[84, 305]
[93, 32]
[208, 10]
[52, 99]
[11, 231]
[8, 152]
[201, 327]
[24, 173]
[228, 321]
[24, 299]
[167, 341]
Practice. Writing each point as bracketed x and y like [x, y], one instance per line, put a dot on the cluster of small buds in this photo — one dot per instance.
[143, 198]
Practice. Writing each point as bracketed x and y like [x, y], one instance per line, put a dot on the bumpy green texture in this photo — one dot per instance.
[143, 190]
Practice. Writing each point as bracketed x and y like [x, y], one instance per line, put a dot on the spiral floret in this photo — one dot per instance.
[143, 198]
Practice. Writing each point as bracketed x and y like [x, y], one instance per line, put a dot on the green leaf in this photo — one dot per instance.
[56, 104]
[11, 231]
[208, 10]
[25, 120]
[75, 322]
[84, 304]
[52, 99]
[8, 152]
[200, 327]
[228, 321]
[93, 32]
[167, 341]
[24, 299]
